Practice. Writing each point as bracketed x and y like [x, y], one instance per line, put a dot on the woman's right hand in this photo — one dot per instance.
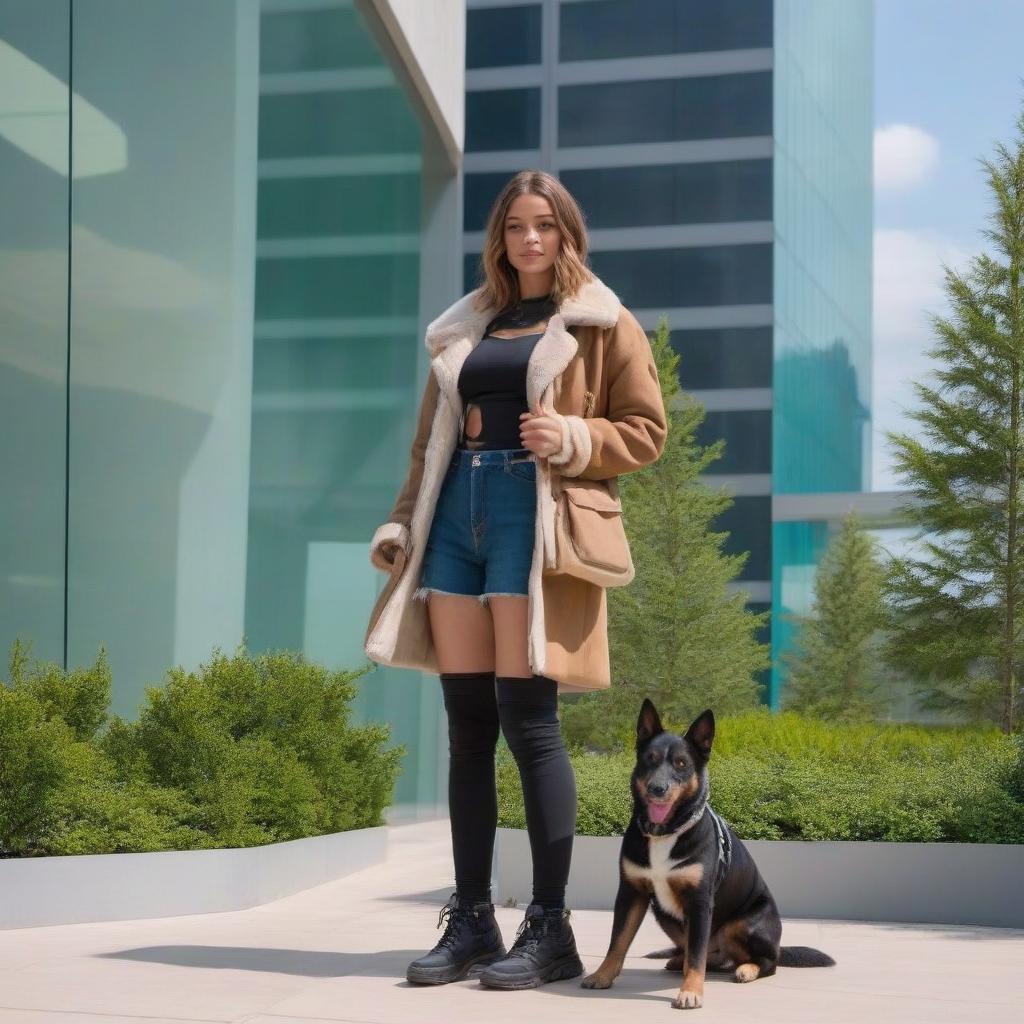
[387, 540]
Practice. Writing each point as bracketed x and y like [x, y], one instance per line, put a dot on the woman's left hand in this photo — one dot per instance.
[539, 432]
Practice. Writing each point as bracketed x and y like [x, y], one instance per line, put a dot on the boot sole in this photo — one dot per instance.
[443, 975]
[567, 967]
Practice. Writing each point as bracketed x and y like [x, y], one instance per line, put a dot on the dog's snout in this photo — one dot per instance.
[657, 789]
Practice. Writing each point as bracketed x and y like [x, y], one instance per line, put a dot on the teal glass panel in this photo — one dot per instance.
[162, 255]
[237, 381]
[797, 549]
[34, 195]
[338, 359]
[823, 128]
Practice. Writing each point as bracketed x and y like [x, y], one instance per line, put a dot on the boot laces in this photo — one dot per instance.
[531, 932]
[457, 918]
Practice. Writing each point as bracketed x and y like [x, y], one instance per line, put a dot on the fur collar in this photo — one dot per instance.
[594, 303]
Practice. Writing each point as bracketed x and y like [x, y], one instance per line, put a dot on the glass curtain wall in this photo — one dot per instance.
[823, 236]
[34, 232]
[338, 357]
[210, 348]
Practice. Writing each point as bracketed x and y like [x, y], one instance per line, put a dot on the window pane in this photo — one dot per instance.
[748, 439]
[712, 275]
[614, 28]
[749, 524]
[665, 109]
[500, 36]
[724, 357]
[691, 193]
[499, 119]
[479, 192]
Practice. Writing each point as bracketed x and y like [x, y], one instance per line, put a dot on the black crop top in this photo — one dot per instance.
[492, 384]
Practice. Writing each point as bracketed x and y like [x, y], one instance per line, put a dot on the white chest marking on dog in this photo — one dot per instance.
[659, 849]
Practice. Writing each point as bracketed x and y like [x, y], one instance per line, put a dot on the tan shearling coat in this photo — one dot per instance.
[593, 371]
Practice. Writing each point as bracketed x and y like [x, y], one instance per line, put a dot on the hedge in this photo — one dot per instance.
[242, 752]
[783, 776]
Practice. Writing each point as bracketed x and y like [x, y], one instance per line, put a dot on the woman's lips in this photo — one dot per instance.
[532, 255]
[657, 810]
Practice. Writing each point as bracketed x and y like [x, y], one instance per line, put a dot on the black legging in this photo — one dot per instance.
[526, 710]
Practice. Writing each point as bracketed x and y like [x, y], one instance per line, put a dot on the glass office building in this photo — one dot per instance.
[722, 155]
[225, 225]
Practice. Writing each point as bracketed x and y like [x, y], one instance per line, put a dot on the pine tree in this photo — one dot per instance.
[835, 671]
[957, 613]
[676, 634]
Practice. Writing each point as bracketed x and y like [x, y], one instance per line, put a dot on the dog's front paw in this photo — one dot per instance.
[596, 980]
[687, 1000]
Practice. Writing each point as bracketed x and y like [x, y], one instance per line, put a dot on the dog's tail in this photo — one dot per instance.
[789, 956]
[803, 956]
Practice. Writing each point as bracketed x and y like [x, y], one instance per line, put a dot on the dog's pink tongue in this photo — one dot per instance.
[658, 812]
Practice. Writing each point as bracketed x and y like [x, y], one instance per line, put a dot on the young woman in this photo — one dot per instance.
[540, 371]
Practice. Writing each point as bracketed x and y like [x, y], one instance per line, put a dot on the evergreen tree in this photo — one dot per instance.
[957, 613]
[835, 671]
[675, 633]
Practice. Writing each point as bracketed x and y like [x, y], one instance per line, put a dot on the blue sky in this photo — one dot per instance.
[948, 86]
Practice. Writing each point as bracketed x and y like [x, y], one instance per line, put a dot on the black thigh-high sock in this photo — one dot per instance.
[471, 704]
[528, 710]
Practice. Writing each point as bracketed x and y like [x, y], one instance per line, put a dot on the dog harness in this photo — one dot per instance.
[724, 842]
[724, 848]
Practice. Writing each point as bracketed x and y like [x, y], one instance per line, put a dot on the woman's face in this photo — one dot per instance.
[530, 228]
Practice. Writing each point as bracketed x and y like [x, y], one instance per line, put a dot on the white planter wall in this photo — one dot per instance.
[936, 883]
[119, 886]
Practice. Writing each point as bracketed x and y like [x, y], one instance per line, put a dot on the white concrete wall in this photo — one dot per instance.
[36, 891]
[932, 883]
[430, 38]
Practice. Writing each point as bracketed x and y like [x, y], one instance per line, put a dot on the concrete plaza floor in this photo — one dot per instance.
[338, 953]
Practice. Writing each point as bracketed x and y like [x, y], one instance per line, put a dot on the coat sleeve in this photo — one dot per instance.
[633, 433]
[396, 528]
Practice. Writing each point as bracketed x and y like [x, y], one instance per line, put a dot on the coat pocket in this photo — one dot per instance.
[590, 536]
[593, 524]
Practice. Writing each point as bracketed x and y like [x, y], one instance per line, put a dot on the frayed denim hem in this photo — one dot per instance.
[484, 597]
[422, 593]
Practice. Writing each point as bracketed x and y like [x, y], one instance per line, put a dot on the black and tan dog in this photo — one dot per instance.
[678, 856]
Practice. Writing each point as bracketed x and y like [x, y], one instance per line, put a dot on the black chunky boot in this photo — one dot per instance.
[471, 938]
[544, 950]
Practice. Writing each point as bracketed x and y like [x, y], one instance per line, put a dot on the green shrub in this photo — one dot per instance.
[783, 776]
[242, 752]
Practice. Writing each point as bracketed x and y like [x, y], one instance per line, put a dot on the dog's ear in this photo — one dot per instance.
[702, 732]
[648, 724]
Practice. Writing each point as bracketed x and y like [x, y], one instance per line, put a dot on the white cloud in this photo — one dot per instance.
[904, 156]
[908, 287]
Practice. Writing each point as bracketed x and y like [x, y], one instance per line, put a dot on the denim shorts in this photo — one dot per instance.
[482, 534]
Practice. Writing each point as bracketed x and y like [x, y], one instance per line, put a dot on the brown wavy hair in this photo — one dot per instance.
[498, 280]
